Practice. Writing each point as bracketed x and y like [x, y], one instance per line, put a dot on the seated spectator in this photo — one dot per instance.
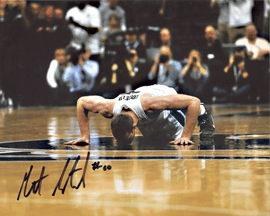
[211, 50]
[111, 30]
[165, 69]
[112, 27]
[166, 39]
[55, 72]
[212, 54]
[46, 18]
[56, 69]
[84, 22]
[193, 78]
[234, 85]
[81, 73]
[257, 48]
[138, 71]
[132, 42]
[125, 73]
[109, 8]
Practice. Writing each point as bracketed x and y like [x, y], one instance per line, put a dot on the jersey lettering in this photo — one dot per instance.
[132, 95]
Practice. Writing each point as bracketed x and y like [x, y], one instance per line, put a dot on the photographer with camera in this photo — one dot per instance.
[81, 73]
[235, 84]
[125, 73]
[194, 76]
[165, 69]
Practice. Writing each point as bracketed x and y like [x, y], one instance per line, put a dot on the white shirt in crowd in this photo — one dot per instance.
[240, 13]
[260, 44]
[89, 16]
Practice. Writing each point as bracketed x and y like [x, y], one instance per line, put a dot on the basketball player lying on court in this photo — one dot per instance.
[155, 110]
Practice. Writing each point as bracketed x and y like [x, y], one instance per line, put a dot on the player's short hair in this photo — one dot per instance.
[122, 126]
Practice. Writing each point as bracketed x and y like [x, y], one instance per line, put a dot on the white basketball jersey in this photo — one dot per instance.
[164, 126]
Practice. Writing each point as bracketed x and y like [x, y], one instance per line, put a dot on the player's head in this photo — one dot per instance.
[122, 128]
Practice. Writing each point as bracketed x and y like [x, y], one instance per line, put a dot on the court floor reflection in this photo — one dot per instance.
[219, 142]
[13, 150]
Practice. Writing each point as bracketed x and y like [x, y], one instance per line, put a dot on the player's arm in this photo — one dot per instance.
[84, 106]
[178, 101]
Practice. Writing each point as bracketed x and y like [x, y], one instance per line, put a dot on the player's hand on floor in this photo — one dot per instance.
[182, 141]
[79, 141]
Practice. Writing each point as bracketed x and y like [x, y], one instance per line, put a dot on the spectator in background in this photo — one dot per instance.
[84, 22]
[112, 27]
[80, 75]
[44, 30]
[60, 27]
[54, 77]
[165, 69]
[41, 49]
[132, 42]
[257, 48]
[46, 18]
[166, 40]
[138, 71]
[13, 38]
[223, 19]
[57, 68]
[211, 48]
[34, 9]
[106, 10]
[234, 15]
[212, 55]
[112, 38]
[125, 74]
[240, 15]
[235, 85]
[194, 77]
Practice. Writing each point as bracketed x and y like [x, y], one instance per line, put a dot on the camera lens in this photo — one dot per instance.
[194, 59]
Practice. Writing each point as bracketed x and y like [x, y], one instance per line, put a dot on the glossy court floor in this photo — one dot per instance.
[229, 175]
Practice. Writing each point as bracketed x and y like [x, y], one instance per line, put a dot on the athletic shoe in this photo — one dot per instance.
[206, 123]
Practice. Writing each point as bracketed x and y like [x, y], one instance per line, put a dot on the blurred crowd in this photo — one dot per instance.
[53, 52]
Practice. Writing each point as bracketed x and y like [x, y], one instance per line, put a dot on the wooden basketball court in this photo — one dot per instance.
[225, 176]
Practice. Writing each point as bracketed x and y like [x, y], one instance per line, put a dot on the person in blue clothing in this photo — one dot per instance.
[194, 77]
[165, 69]
[81, 73]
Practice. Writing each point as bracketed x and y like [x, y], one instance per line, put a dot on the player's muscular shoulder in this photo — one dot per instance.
[147, 102]
[93, 103]
[154, 103]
